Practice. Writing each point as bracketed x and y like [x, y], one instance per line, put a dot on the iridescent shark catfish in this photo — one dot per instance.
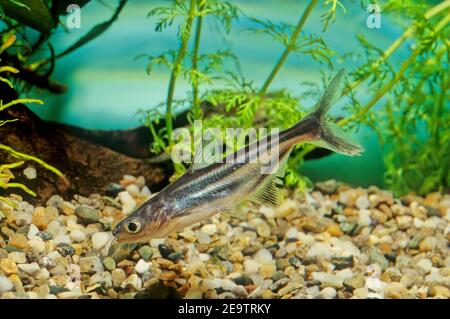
[204, 191]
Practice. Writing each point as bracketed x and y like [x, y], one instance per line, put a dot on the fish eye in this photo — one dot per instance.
[133, 226]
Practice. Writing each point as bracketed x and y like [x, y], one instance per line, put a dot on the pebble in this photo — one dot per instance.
[263, 256]
[62, 239]
[100, 239]
[37, 244]
[65, 249]
[67, 208]
[287, 208]
[404, 222]
[424, 266]
[146, 252]
[18, 240]
[209, 229]
[118, 277]
[328, 280]
[8, 266]
[17, 257]
[87, 214]
[109, 263]
[175, 256]
[77, 236]
[30, 172]
[328, 293]
[320, 250]
[142, 266]
[29, 269]
[202, 237]
[251, 266]
[376, 257]
[90, 264]
[5, 284]
[364, 218]
[128, 202]
[362, 202]
[164, 250]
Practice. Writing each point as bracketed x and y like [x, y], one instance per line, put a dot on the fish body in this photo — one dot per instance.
[204, 191]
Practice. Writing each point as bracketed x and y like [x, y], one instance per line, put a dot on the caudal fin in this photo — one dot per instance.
[328, 134]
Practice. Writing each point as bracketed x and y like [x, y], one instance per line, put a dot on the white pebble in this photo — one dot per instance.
[37, 244]
[142, 266]
[320, 250]
[212, 283]
[345, 274]
[202, 237]
[99, 240]
[62, 239]
[54, 228]
[128, 203]
[328, 279]
[30, 172]
[313, 292]
[375, 284]
[54, 255]
[77, 235]
[292, 233]
[263, 256]
[32, 231]
[204, 257]
[42, 274]
[328, 293]
[268, 212]
[29, 269]
[133, 190]
[362, 202]
[5, 284]
[227, 284]
[251, 266]
[364, 218]
[424, 265]
[210, 229]
[345, 248]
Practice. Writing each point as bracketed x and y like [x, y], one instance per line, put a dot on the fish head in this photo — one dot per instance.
[147, 222]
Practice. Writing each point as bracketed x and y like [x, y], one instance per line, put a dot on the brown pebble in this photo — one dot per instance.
[183, 289]
[164, 263]
[39, 218]
[334, 230]
[18, 241]
[168, 276]
[385, 248]
[8, 266]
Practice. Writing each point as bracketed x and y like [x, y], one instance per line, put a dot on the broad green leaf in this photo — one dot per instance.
[32, 13]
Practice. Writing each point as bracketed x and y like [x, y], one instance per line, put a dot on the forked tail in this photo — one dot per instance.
[323, 132]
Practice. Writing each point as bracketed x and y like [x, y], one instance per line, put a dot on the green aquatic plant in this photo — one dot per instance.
[407, 106]
[244, 104]
[6, 175]
[412, 118]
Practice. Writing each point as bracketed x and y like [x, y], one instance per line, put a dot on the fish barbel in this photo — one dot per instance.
[204, 191]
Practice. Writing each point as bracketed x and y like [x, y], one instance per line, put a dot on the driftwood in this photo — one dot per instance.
[89, 167]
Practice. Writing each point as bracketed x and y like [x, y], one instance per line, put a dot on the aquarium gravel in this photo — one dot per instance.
[332, 242]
